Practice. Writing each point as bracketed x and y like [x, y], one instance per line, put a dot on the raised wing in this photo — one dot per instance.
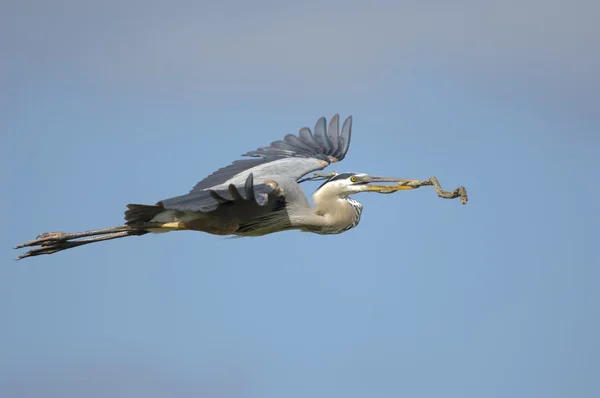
[326, 145]
[290, 158]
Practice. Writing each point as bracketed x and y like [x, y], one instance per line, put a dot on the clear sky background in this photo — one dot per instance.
[115, 102]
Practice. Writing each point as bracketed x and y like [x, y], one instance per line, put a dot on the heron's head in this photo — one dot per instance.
[345, 184]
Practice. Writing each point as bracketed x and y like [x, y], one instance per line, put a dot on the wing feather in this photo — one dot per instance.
[209, 199]
[290, 158]
[321, 135]
[306, 136]
[297, 142]
[333, 134]
[344, 138]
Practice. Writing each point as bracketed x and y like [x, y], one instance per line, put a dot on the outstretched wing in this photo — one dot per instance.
[290, 158]
[304, 152]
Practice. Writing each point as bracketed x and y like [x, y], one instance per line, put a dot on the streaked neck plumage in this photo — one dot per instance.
[335, 214]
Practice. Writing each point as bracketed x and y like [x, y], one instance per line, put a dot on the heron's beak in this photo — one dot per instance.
[386, 187]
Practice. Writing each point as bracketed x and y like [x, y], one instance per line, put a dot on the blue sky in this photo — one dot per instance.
[133, 102]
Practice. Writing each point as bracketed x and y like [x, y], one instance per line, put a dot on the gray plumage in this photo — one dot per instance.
[255, 196]
[258, 195]
[289, 159]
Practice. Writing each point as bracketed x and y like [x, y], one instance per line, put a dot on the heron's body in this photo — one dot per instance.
[287, 208]
[256, 196]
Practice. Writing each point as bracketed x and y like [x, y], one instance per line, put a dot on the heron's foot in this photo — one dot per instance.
[52, 242]
[51, 238]
[45, 239]
[46, 247]
[52, 235]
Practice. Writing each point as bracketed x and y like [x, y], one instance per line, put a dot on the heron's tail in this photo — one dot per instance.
[52, 242]
[137, 214]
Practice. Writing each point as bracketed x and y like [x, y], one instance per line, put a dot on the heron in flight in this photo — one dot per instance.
[259, 195]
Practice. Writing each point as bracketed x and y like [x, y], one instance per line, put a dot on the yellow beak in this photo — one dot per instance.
[388, 188]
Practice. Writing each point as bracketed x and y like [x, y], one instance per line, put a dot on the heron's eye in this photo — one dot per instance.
[353, 178]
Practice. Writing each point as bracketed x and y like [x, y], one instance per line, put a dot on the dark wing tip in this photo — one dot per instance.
[333, 134]
[322, 143]
[344, 139]
[329, 145]
[320, 134]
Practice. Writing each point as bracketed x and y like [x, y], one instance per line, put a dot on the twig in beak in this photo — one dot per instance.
[459, 192]
[318, 176]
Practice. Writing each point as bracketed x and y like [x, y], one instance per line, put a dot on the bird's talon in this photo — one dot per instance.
[52, 235]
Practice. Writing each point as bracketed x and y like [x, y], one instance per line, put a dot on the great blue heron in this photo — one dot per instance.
[258, 196]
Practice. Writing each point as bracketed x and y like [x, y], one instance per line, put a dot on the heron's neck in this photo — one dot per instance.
[334, 214]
